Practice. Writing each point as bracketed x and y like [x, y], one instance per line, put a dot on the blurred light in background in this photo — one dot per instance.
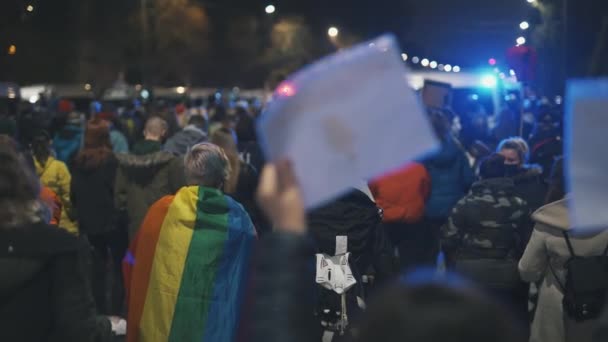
[433, 65]
[87, 87]
[524, 25]
[145, 94]
[415, 59]
[448, 68]
[404, 56]
[425, 62]
[180, 90]
[521, 41]
[492, 61]
[474, 97]
[440, 67]
[531, 1]
[489, 81]
[455, 69]
[34, 98]
[270, 9]
[512, 72]
[12, 49]
[333, 32]
[30, 8]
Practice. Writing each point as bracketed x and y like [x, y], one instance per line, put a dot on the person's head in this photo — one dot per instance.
[41, 146]
[199, 122]
[441, 122]
[492, 166]
[97, 146]
[515, 150]
[19, 187]
[206, 165]
[155, 129]
[245, 129]
[435, 313]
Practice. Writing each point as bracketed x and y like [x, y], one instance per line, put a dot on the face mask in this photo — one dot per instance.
[511, 170]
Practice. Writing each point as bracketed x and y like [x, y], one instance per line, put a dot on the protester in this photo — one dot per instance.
[529, 183]
[194, 133]
[146, 175]
[54, 174]
[46, 296]
[93, 179]
[350, 224]
[545, 259]
[546, 140]
[243, 180]
[451, 178]
[483, 237]
[402, 195]
[250, 150]
[188, 268]
[68, 140]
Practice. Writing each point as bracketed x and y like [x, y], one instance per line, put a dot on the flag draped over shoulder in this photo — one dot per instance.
[187, 270]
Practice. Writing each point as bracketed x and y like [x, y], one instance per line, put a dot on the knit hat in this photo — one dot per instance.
[65, 106]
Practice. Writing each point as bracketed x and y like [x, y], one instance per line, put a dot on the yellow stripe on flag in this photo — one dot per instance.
[168, 266]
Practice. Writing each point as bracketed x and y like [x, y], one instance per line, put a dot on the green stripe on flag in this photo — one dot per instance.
[204, 257]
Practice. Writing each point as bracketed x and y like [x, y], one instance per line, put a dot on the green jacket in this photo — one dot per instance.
[142, 180]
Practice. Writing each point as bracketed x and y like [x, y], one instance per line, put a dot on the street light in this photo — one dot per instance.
[415, 59]
[449, 68]
[521, 41]
[333, 32]
[30, 8]
[404, 56]
[524, 25]
[270, 9]
[425, 62]
[433, 65]
[456, 68]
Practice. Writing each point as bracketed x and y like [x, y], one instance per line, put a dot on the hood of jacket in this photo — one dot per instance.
[69, 132]
[502, 185]
[145, 161]
[182, 141]
[25, 251]
[554, 214]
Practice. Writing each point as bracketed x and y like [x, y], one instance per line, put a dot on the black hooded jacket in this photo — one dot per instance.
[44, 292]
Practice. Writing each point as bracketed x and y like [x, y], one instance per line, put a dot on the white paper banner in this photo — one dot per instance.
[586, 157]
[348, 117]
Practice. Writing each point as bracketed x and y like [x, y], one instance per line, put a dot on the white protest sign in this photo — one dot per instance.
[348, 117]
[586, 159]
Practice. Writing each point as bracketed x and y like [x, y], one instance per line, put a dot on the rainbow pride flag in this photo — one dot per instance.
[188, 268]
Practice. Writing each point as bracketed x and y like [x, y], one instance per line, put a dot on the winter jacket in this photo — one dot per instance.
[487, 222]
[451, 178]
[546, 253]
[67, 143]
[93, 196]
[483, 234]
[182, 141]
[56, 176]
[402, 193]
[53, 203]
[530, 185]
[119, 142]
[143, 179]
[45, 295]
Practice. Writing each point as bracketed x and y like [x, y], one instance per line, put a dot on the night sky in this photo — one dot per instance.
[463, 32]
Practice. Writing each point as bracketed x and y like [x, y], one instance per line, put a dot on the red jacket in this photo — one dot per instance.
[402, 193]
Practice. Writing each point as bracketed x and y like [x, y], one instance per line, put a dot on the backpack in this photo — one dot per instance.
[586, 284]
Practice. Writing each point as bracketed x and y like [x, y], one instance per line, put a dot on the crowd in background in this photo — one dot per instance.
[150, 214]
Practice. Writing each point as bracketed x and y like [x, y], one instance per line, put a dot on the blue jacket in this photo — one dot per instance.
[119, 142]
[67, 143]
[451, 178]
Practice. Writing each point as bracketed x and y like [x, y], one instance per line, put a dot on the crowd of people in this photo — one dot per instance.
[166, 223]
